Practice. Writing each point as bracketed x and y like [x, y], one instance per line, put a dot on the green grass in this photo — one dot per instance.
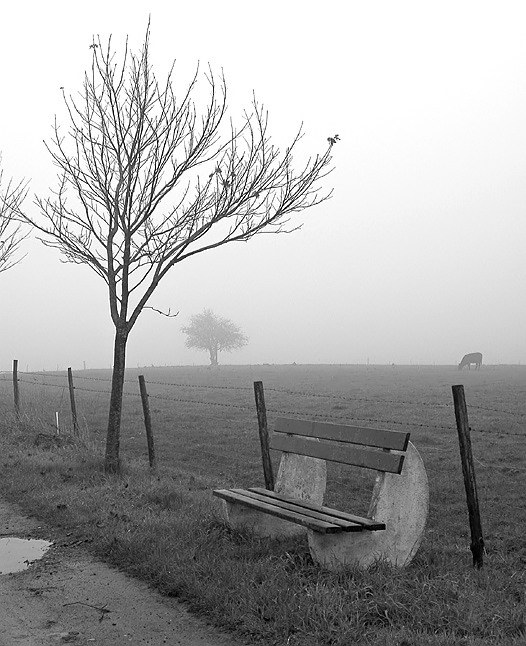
[168, 530]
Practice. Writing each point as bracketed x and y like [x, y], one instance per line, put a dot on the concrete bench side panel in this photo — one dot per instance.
[300, 477]
[399, 501]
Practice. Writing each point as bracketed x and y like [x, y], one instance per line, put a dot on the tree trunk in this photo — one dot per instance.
[112, 461]
[213, 356]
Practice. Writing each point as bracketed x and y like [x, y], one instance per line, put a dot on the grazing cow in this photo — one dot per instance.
[468, 359]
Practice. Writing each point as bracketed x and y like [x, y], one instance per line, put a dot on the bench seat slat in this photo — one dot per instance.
[291, 505]
[367, 523]
[269, 508]
[382, 439]
[369, 459]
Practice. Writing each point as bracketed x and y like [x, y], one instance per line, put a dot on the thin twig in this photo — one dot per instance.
[148, 307]
[102, 609]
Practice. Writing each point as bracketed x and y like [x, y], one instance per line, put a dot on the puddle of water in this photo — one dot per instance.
[17, 554]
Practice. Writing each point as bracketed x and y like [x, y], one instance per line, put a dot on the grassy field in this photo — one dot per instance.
[168, 530]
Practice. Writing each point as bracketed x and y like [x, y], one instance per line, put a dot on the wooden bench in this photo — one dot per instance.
[393, 527]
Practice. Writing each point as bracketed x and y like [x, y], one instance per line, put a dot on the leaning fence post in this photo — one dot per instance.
[263, 435]
[72, 400]
[468, 469]
[147, 422]
[15, 389]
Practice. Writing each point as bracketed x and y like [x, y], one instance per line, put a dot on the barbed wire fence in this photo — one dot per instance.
[23, 378]
[299, 403]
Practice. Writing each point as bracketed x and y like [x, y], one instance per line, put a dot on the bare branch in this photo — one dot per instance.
[12, 197]
[148, 307]
[147, 178]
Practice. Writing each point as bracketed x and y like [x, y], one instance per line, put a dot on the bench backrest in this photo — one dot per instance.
[364, 447]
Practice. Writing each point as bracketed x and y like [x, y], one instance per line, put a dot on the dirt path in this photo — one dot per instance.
[68, 597]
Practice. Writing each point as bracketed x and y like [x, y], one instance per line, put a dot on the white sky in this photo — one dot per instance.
[420, 255]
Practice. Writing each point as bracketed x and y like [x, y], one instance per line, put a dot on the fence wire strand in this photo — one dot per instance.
[274, 411]
[271, 389]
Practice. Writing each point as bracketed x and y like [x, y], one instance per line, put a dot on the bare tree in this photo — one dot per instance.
[147, 180]
[11, 197]
[207, 331]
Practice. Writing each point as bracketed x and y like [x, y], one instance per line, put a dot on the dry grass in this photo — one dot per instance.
[167, 529]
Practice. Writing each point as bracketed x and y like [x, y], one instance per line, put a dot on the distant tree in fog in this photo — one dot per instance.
[214, 334]
[148, 178]
[11, 197]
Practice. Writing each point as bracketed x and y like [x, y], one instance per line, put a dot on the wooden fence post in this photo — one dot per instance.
[468, 469]
[147, 422]
[72, 400]
[15, 389]
[263, 435]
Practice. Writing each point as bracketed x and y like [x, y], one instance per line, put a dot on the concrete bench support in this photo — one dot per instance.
[299, 477]
[393, 528]
[399, 501]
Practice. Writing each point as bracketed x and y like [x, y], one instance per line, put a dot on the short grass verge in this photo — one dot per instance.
[167, 529]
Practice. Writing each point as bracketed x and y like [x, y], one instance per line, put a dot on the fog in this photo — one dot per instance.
[419, 257]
